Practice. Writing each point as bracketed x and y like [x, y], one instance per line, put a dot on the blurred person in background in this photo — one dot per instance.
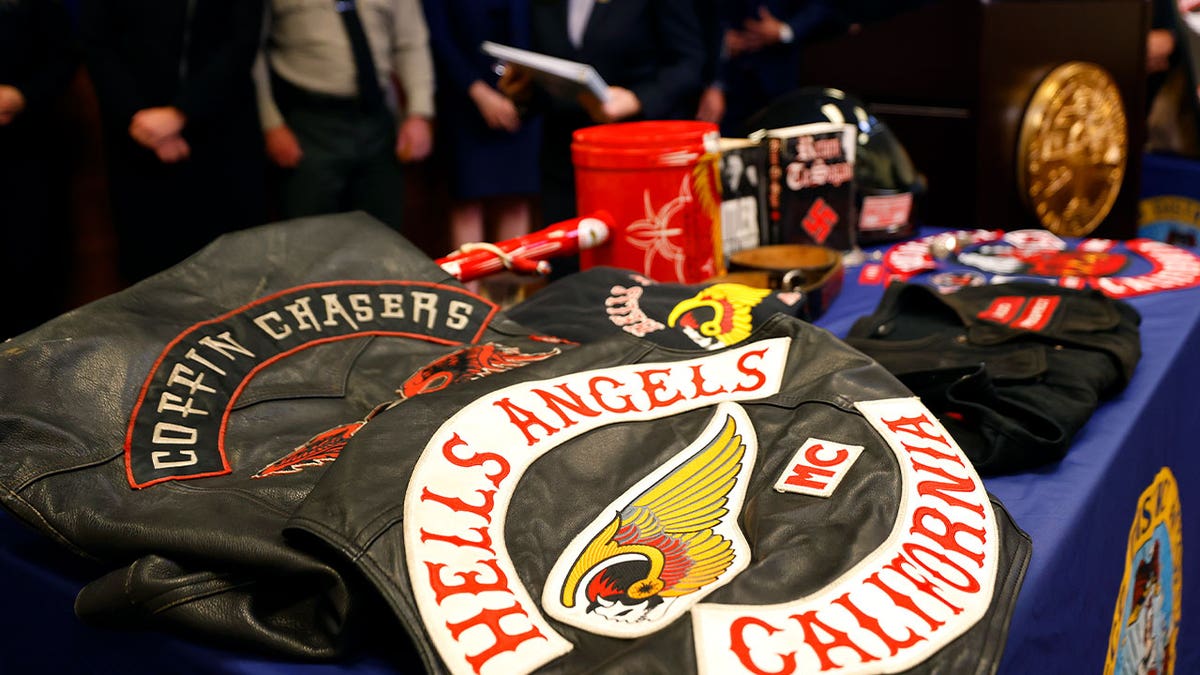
[181, 137]
[38, 58]
[649, 52]
[489, 149]
[759, 53]
[331, 116]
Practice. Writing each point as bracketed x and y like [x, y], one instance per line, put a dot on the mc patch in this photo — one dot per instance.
[817, 467]
[1146, 618]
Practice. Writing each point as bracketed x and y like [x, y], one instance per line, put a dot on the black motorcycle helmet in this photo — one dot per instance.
[882, 167]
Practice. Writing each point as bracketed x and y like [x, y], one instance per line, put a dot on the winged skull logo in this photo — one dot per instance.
[676, 538]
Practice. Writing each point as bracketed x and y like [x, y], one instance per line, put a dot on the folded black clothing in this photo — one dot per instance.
[1012, 370]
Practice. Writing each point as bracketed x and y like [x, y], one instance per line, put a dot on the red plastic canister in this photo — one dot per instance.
[660, 182]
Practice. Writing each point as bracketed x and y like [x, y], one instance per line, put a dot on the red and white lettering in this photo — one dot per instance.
[478, 614]
[926, 584]
[817, 467]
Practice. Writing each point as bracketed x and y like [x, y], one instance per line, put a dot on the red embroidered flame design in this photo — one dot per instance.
[465, 364]
[320, 449]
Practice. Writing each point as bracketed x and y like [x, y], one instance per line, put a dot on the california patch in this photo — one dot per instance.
[927, 584]
[670, 540]
[1146, 618]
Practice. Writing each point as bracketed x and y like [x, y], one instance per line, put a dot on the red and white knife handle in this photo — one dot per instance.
[528, 253]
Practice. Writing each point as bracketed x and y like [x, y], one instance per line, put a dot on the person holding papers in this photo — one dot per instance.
[649, 52]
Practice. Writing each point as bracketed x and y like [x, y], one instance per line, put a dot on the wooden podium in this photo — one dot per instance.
[953, 79]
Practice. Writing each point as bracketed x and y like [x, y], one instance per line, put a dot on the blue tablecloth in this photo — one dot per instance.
[1079, 513]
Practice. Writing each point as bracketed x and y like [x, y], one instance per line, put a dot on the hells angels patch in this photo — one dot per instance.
[464, 461]
[659, 549]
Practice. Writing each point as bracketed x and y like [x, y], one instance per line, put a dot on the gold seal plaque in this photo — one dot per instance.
[1072, 149]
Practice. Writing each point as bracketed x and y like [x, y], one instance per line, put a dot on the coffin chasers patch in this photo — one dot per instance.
[1146, 619]
[650, 555]
[177, 427]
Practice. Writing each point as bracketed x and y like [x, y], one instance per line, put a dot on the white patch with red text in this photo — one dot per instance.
[1003, 309]
[1174, 268]
[929, 582]
[818, 467]
[882, 212]
[470, 598]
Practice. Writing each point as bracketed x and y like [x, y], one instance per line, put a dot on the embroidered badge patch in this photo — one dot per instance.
[176, 430]
[718, 316]
[470, 597]
[673, 540]
[1032, 314]
[818, 467]
[1120, 270]
[1146, 619]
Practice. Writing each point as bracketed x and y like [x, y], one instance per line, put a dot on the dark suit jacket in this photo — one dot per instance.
[774, 70]
[37, 52]
[651, 47]
[135, 54]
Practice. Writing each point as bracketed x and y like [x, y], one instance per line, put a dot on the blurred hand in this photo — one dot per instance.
[282, 146]
[414, 140]
[150, 126]
[712, 105]
[763, 31]
[621, 104]
[498, 110]
[1160, 43]
[516, 83]
[172, 149]
[735, 42]
[12, 102]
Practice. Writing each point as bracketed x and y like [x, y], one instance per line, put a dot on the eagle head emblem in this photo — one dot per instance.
[672, 538]
[719, 315]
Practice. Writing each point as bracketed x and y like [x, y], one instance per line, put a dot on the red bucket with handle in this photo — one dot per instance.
[659, 180]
